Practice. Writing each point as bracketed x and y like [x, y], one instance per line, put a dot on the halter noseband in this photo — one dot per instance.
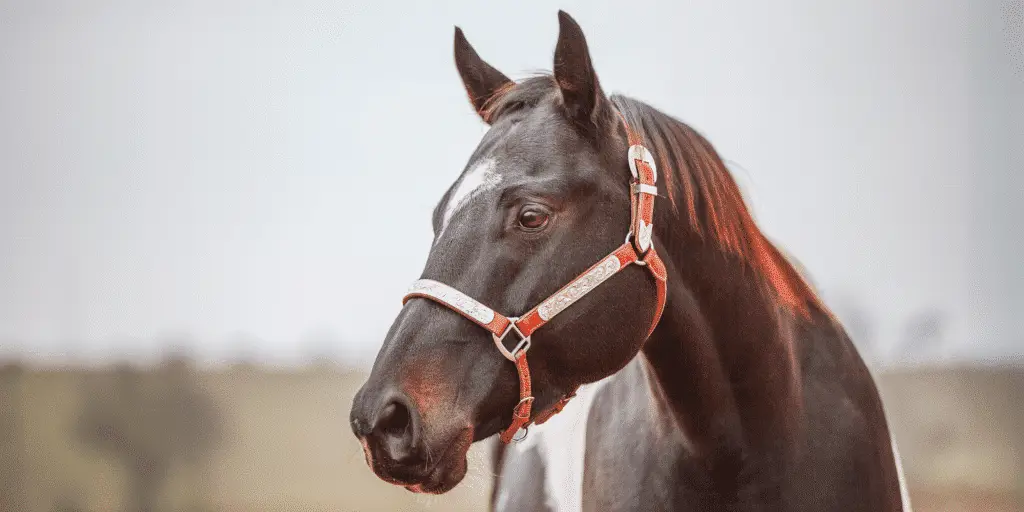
[637, 249]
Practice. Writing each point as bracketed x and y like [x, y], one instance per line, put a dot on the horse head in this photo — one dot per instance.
[537, 219]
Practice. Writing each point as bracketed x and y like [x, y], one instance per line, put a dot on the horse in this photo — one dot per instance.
[688, 366]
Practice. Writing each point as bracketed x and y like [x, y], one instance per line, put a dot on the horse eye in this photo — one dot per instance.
[533, 218]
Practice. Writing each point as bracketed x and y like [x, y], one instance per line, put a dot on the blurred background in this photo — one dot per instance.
[193, 281]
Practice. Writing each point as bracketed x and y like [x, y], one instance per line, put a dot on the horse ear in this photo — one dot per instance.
[482, 81]
[574, 72]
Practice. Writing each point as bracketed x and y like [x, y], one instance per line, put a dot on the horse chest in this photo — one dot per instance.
[545, 470]
[585, 457]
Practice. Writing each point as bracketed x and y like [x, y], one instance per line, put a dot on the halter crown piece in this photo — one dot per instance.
[637, 249]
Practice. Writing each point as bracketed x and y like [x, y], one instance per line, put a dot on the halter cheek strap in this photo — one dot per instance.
[637, 250]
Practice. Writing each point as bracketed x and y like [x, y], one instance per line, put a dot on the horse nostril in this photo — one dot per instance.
[394, 431]
[395, 419]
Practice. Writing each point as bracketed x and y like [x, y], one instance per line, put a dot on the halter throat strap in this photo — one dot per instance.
[517, 331]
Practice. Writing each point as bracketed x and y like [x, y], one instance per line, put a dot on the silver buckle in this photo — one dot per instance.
[521, 347]
[638, 152]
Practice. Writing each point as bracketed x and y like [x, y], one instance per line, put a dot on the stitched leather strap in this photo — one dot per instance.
[642, 193]
[522, 410]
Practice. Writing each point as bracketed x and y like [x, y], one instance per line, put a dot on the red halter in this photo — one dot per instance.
[636, 250]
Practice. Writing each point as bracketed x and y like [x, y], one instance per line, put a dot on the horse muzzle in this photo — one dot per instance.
[391, 432]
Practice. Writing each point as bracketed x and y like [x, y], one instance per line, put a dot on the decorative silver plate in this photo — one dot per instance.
[582, 286]
[455, 298]
[638, 152]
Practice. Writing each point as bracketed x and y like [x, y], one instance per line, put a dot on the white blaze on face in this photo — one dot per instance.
[480, 178]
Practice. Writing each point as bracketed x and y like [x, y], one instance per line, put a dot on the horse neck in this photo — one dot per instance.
[723, 355]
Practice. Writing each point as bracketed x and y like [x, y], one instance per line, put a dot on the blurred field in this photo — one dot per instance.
[174, 438]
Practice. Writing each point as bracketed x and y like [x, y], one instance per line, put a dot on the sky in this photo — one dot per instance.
[197, 175]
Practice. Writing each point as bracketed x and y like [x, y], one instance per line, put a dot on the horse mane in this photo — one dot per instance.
[701, 191]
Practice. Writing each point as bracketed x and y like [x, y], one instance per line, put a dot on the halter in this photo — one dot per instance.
[637, 249]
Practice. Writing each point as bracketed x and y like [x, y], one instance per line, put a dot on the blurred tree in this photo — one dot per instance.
[149, 424]
[244, 350]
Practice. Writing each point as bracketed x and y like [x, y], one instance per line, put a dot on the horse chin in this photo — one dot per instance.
[443, 478]
[450, 469]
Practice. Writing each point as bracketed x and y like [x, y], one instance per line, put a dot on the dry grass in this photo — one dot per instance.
[283, 443]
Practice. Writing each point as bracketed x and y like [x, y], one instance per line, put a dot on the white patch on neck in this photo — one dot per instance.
[904, 494]
[561, 444]
[480, 178]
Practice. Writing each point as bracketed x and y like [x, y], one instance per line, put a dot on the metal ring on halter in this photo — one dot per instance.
[515, 412]
[525, 430]
[521, 347]
[639, 262]
[638, 152]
